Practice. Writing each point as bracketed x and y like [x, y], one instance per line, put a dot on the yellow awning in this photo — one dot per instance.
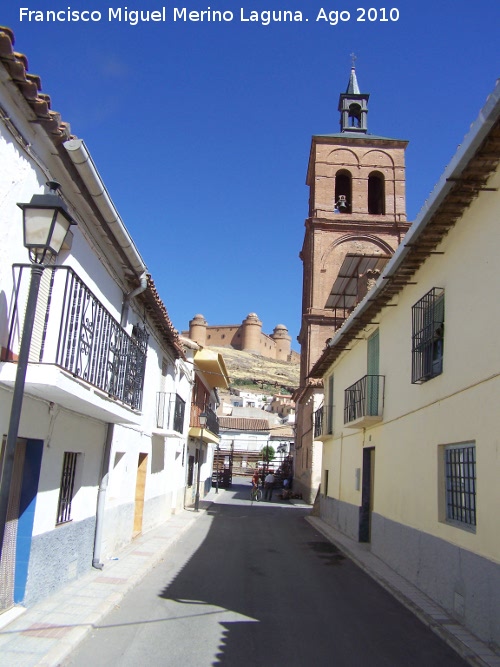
[212, 365]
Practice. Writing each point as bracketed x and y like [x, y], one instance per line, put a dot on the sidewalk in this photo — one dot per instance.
[45, 634]
[437, 619]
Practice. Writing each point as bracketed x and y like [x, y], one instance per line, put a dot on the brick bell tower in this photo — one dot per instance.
[356, 220]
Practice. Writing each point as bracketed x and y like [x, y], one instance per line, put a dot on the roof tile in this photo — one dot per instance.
[30, 85]
[159, 314]
[243, 424]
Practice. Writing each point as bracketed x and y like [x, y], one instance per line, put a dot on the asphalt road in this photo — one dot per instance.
[255, 584]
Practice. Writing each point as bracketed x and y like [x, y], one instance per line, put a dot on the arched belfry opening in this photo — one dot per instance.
[376, 193]
[343, 191]
[354, 117]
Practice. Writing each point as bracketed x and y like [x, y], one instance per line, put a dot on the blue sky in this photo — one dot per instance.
[201, 130]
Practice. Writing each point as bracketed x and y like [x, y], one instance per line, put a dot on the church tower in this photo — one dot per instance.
[356, 220]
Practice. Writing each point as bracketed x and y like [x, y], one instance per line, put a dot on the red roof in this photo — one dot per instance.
[243, 424]
[30, 86]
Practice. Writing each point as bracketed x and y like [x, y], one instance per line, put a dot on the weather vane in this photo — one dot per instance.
[353, 60]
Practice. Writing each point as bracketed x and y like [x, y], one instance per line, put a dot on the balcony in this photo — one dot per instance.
[318, 422]
[210, 431]
[364, 402]
[170, 408]
[80, 356]
[323, 422]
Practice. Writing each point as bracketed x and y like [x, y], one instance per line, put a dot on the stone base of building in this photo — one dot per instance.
[58, 557]
[304, 489]
[465, 584]
[341, 516]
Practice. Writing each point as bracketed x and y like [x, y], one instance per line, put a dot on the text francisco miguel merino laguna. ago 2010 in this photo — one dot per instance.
[208, 15]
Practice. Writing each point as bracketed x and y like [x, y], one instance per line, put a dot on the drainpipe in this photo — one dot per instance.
[101, 498]
[128, 297]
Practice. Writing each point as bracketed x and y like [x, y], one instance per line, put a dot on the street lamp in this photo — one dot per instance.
[46, 222]
[203, 422]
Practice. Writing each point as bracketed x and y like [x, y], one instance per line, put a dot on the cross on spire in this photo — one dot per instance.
[353, 60]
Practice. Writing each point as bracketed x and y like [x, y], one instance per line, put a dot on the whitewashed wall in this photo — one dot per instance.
[62, 553]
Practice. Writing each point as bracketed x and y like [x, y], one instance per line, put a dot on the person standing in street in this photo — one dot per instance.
[268, 486]
[255, 479]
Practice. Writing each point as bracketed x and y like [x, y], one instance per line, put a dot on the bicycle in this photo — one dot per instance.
[255, 494]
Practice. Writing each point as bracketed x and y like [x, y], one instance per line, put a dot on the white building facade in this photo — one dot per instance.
[210, 375]
[101, 449]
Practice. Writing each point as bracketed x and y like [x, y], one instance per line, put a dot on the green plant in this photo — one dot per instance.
[268, 453]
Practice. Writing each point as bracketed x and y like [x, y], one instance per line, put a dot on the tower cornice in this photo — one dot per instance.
[343, 138]
[348, 224]
[348, 140]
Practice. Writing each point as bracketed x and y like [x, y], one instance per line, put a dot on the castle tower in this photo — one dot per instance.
[283, 342]
[198, 330]
[357, 218]
[251, 331]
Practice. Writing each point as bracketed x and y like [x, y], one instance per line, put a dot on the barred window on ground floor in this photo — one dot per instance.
[460, 484]
[68, 487]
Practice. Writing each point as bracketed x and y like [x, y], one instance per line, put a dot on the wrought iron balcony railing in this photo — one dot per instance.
[74, 331]
[323, 421]
[364, 401]
[170, 411]
[212, 421]
[212, 424]
[318, 422]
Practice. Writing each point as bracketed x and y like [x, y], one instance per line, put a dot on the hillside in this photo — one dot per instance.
[255, 373]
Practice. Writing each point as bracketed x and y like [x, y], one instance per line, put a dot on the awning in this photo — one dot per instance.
[345, 290]
[208, 436]
[212, 366]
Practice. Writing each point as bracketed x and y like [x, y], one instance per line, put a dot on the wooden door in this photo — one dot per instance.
[140, 488]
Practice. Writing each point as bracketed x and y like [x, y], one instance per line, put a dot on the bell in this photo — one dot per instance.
[342, 204]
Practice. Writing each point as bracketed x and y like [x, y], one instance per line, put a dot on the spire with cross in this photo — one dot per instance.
[353, 104]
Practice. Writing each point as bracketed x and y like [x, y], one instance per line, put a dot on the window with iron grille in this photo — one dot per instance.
[67, 488]
[460, 474]
[428, 336]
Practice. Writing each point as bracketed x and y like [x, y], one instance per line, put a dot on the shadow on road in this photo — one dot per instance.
[301, 601]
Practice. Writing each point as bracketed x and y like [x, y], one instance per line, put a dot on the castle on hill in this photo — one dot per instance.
[247, 336]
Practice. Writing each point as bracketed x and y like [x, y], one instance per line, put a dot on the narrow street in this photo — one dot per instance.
[256, 583]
